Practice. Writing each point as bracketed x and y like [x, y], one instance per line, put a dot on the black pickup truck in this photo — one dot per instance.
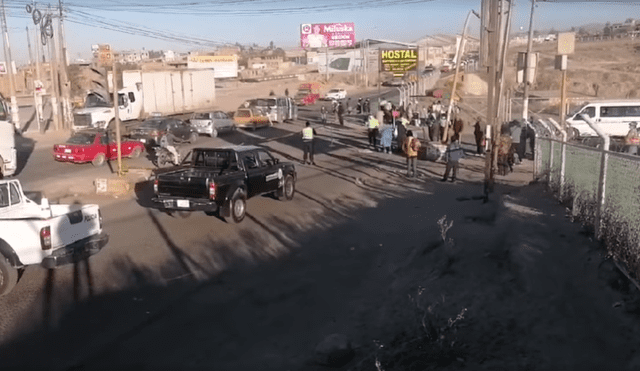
[220, 180]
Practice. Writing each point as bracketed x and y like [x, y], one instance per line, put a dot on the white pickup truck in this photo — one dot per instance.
[43, 234]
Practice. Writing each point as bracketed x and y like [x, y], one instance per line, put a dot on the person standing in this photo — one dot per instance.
[308, 135]
[516, 132]
[341, 113]
[367, 106]
[348, 106]
[504, 152]
[372, 128]
[411, 146]
[359, 106]
[323, 114]
[479, 135]
[632, 140]
[386, 137]
[401, 137]
[443, 126]
[458, 125]
[452, 156]
[286, 92]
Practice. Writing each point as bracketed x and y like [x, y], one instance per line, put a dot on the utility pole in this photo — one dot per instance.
[459, 54]
[36, 81]
[66, 86]
[12, 81]
[525, 99]
[116, 105]
[55, 95]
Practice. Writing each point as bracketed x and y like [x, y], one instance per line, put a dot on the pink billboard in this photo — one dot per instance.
[332, 35]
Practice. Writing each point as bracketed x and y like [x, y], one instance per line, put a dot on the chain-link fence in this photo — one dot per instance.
[603, 188]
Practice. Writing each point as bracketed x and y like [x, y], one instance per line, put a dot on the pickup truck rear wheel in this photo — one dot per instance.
[288, 189]
[98, 160]
[8, 276]
[238, 207]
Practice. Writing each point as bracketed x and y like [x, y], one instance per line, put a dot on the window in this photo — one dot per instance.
[81, 139]
[104, 140]
[4, 195]
[612, 111]
[132, 97]
[633, 111]
[122, 100]
[249, 160]
[265, 158]
[14, 194]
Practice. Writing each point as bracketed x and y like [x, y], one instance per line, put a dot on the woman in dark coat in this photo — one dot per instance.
[477, 132]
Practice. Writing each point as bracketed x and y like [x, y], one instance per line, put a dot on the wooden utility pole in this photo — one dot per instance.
[116, 107]
[12, 81]
[65, 85]
[525, 99]
[55, 95]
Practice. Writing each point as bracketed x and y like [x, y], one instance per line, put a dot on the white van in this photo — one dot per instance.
[278, 109]
[612, 117]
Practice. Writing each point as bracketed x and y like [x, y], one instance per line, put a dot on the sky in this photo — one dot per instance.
[183, 25]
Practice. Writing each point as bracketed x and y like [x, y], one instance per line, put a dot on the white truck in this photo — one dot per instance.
[8, 152]
[146, 93]
[43, 234]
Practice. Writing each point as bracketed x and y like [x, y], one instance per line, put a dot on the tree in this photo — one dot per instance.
[573, 29]
[553, 31]
[271, 45]
[582, 31]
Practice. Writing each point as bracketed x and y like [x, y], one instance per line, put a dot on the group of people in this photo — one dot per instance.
[511, 145]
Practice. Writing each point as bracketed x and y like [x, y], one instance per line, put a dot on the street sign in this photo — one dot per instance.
[105, 55]
[566, 43]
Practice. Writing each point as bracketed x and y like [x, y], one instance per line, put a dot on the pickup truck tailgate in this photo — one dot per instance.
[184, 183]
[72, 223]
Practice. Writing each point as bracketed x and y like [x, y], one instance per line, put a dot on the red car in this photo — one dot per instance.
[95, 147]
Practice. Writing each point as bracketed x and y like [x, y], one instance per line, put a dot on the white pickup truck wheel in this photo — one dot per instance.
[8, 276]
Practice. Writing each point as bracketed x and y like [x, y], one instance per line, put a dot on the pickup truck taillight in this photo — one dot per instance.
[155, 186]
[212, 191]
[100, 218]
[45, 238]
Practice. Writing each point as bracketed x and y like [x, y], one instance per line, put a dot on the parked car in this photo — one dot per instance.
[445, 68]
[336, 94]
[43, 234]
[250, 118]
[211, 123]
[96, 147]
[220, 180]
[151, 130]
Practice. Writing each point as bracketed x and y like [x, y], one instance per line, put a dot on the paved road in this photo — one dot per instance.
[143, 239]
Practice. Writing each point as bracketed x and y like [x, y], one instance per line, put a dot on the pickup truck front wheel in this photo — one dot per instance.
[8, 276]
[238, 207]
[288, 189]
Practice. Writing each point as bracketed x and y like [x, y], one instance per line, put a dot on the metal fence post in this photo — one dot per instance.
[536, 157]
[602, 182]
[551, 142]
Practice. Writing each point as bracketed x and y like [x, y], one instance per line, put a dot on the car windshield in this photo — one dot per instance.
[243, 113]
[201, 116]
[81, 139]
[95, 100]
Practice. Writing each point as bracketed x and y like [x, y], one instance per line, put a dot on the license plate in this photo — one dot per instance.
[182, 203]
[67, 151]
[143, 140]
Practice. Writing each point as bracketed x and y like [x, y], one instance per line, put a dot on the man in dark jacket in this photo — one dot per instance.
[341, 113]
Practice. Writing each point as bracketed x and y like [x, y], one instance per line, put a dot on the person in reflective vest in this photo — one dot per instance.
[632, 140]
[372, 128]
[308, 134]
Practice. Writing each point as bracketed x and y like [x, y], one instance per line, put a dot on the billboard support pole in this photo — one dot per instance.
[326, 63]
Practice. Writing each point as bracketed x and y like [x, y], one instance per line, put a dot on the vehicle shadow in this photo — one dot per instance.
[24, 148]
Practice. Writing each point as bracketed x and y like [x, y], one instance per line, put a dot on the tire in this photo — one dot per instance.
[163, 160]
[98, 160]
[136, 152]
[193, 138]
[8, 276]
[214, 133]
[238, 206]
[288, 189]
